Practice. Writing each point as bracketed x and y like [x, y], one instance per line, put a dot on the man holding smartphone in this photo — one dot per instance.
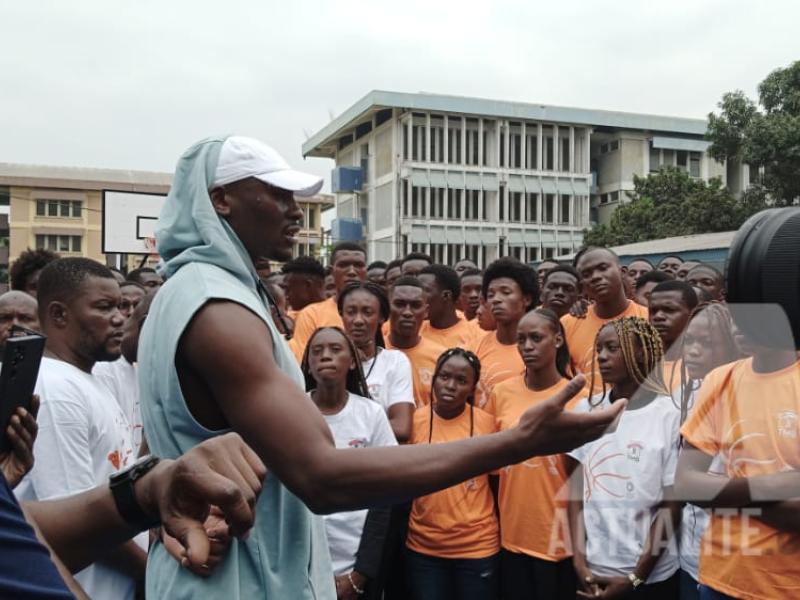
[84, 436]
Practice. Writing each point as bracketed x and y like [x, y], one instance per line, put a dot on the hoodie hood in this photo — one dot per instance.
[189, 229]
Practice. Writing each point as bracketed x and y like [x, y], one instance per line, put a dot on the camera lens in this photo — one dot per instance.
[764, 268]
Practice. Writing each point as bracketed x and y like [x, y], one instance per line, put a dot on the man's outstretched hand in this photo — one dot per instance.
[549, 429]
[223, 472]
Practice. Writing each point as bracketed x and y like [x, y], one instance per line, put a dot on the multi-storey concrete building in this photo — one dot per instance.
[60, 208]
[466, 177]
[309, 240]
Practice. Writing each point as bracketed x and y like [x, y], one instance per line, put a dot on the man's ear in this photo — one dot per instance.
[219, 201]
[58, 314]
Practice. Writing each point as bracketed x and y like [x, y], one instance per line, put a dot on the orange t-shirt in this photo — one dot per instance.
[311, 318]
[460, 335]
[581, 334]
[460, 521]
[751, 420]
[671, 371]
[533, 494]
[498, 363]
[423, 359]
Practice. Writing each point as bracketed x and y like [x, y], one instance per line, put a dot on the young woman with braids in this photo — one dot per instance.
[336, 384]
[453, 536]
[621, 523]
[535, 559]
[364, 307]
[708, 343]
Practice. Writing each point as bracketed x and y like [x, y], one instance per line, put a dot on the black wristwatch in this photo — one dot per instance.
[121, 485]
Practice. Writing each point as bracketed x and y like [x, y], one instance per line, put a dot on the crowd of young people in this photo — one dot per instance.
[585, 429]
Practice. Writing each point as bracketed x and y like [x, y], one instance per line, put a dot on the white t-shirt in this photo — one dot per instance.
[83, 438]
[362, 423]
[389, 378]
[624, 475]
[120, 378]
[694, 520]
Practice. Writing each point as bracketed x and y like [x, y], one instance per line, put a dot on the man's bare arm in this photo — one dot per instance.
[222, 471]
[401, 419]
[230, 350]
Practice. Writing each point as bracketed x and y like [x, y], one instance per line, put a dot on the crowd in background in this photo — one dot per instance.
[413, 352]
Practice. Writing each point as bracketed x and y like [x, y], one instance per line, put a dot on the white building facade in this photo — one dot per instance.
[470, 178]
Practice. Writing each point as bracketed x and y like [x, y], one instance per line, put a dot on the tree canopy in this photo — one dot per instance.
[671, 203]
[766, 134]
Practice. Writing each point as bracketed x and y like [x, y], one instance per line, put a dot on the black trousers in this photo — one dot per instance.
[524, 577]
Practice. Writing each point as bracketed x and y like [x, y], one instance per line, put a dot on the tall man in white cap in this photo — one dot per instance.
[211, 360]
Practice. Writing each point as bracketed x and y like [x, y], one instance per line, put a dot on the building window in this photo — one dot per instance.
[614, 197]
[564, 143]
[437, 203]
[533, 254]
[549, 253]
[417, 201]
[655, 159]
[473, 205]
[549, 208]
[515, 207]
[549, 154]
[437, 253]
[454, 203]
[59, 208]
[694, 164]
[59, 243]
[565, 202]
[472, 252]
[515, 251]
[532, 208]
[531, 151]
[454, 253]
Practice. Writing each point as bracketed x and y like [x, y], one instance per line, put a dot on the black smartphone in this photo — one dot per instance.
[21, 360]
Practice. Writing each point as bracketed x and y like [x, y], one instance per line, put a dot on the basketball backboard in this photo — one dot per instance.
[129, 221]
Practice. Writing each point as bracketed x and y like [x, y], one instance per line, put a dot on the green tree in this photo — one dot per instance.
[768, 136]
[671, 203]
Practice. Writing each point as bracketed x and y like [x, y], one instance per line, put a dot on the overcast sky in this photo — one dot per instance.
[131, 84]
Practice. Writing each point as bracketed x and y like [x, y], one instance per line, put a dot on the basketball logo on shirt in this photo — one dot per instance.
[357, 443]
[425, 375]
[635, 451]
[787, 424]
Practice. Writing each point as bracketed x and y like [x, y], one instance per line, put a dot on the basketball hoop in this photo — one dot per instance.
[150, 245]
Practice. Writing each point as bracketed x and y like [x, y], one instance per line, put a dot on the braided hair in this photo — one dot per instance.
[473, 362]
[355, 383]
[721, 324]
[640, 343]
[383, 304]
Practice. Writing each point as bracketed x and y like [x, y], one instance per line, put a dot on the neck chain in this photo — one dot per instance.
[374, 361]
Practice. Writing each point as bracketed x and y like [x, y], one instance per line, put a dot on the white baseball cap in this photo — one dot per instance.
[242, 157]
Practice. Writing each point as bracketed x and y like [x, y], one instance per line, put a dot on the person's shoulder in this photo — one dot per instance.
[636, 310]
[721, 374]
[484, 421]
[511, 386]
[431, 348]
[394, 357]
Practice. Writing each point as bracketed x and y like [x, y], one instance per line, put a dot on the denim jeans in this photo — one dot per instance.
[707, 593]
[689, 589]
[434, 578]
